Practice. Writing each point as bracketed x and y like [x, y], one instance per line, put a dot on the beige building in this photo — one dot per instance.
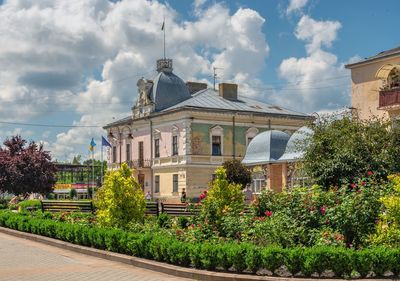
[179, 133]
[376, 85]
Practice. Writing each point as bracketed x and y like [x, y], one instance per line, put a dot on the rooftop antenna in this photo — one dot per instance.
[215, 76]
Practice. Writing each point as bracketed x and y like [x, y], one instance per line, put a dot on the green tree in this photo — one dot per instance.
[237, 173]
[120, 200]
[344, 149]
[222, 198]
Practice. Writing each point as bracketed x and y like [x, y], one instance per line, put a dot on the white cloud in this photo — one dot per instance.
[296, 6]
[86, 57]
[317, 33]
[318, 81]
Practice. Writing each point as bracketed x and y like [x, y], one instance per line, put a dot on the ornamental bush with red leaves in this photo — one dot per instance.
[25, 168]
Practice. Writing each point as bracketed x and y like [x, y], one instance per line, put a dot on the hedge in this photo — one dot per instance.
[237, 257]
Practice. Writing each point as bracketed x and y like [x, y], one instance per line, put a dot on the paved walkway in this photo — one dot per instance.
[23, 260]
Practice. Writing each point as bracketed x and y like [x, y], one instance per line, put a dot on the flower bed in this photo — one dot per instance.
[230, 256]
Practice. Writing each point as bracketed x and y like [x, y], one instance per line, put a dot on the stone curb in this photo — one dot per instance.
[178, 271]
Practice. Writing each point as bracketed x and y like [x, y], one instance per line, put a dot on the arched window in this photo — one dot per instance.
[250, 134]
[390, 76]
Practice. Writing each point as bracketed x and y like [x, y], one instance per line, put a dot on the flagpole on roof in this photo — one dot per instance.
[163, 29]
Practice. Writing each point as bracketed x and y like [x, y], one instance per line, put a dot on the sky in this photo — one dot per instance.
[72, 66]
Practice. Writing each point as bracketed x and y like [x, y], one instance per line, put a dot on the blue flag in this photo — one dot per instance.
[92, 145]
[105, 142]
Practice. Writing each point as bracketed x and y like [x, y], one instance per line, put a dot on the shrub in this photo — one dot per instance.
[228, 255]
[120, 200]
[222, 198]
[237, 173]
[183, 222]
[73, 193]
[343, 149]
[164, 220]
[29, 203]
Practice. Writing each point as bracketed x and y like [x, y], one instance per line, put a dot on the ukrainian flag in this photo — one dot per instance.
[92, 145]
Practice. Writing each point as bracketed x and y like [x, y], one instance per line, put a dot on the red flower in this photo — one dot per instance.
[268, 213]
[370, 173]
[261, 218]
[359, 190]
[322, 210]
[363, 183]
[353, 185]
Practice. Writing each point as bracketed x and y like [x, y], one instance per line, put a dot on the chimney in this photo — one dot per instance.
[194, 87]
[228, 91]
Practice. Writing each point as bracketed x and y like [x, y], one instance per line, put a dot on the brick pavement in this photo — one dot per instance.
[23, 260]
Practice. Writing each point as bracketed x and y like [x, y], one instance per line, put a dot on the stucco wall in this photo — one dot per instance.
[365, 89]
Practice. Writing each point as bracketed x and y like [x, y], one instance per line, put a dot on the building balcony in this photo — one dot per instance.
[139, 163]
[389, 99]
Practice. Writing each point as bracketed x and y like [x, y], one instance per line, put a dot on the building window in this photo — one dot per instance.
[250, 134]
[216, 145]
[157, 184]
[156, 148]
[140, 154]
[128, 152]
[175, 183]
[114, 154]
[175, 145]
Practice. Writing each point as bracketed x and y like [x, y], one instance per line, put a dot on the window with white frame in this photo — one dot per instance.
[175, 183]
[175, 132]
[157, 148]
[114, 154]
[157, 184]
[216, 140]
[174, 145]
[128, 152]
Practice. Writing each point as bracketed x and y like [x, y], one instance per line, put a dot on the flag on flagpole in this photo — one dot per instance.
[105, 142]
[92, 145]
[163, 25]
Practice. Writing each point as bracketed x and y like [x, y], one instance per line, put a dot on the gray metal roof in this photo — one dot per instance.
[168, 90]
[294, 148]
[381, 55]
[210, 99]
[266, 147]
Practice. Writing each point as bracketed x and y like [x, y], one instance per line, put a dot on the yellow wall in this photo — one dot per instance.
[365, 89]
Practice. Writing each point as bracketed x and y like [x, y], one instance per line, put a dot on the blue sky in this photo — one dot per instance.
[64, 63]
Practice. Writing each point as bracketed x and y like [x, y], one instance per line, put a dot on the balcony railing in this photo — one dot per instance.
[389, 98]
[139, 163]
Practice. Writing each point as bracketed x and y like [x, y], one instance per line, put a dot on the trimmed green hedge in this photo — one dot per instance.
[233, 256]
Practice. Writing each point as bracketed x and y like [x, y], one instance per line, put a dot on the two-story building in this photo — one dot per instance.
[179, 133]
[376, 85]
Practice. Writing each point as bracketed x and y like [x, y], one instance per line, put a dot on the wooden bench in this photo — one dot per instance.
[152, 208]
[180, 209]
[67, 206]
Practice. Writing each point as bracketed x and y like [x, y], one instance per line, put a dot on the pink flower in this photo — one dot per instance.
[268, 213]
[370, 173]
[363, 183]
[261, 218]
[322, 210]
[241, 213]
[359, 191]
[353, 185]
